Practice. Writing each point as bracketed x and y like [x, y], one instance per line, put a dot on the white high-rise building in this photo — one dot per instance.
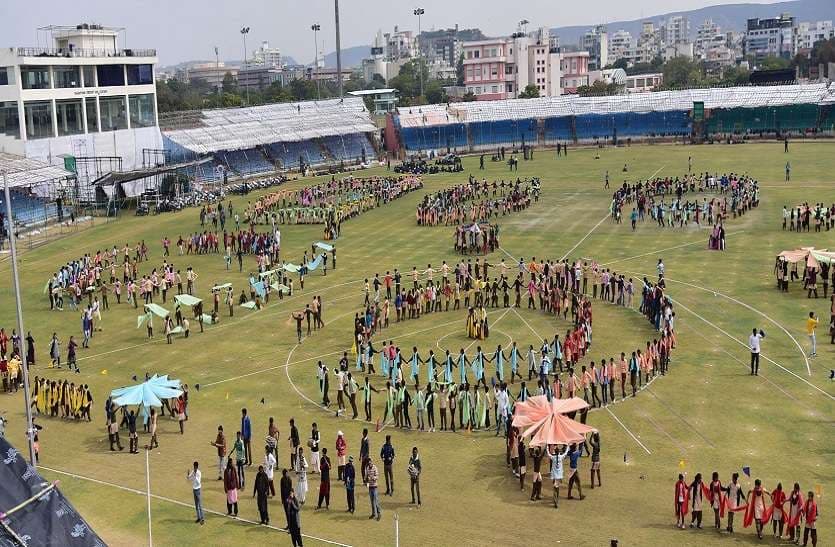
[808, 34]
[676, 30]
[706, 35]
[619, 43]
[267, 56]
[83, 95]
[596, 42]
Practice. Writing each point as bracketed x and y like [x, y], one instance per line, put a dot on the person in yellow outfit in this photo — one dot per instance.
[811, 325]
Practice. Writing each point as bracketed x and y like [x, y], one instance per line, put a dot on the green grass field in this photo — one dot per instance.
[707, 412]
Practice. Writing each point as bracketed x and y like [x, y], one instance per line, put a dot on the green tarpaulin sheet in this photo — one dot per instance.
[157, 310]
[187, 299]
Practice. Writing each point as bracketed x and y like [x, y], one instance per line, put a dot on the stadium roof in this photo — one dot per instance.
[243, 128]
[26, 172]
[572, 105]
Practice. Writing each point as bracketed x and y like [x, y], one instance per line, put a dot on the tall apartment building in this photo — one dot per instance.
[596, 42]
[771, 37]
[266, 56]
[676, 30]
[445, 44]
[84, 95]
[706, 35]
[620, 42]
[808, 34]
[501, 68]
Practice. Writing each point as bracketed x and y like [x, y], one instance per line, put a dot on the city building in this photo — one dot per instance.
[574, 70]
[678, 49]
[639, 83]
[388, 54]
[808, 34]
[706, 35]
[445, 44]
[266, 56]
[620, 42]
[675, 30]
[81, 96]
[327, 74]
[770, 37]
[259, 77]
[596, 43]
[384, 100]
[501, 68]
[211, 73]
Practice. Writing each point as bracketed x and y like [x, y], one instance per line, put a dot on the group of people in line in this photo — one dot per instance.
[735, 194]
[799, 217]
[473, 202]
[305, 459]
[784, 510]
[476, 238]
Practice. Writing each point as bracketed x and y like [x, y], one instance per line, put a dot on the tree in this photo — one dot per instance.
[459, 70]
[773, 63]
[598, 89]
[229, 84]
[620, 63]
[734, 75]
[435, 93]
[530, 92]
[682, 72]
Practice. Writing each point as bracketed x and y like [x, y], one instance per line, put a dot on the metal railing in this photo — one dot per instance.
[79, 52]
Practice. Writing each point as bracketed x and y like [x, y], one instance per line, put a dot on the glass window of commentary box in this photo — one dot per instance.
[110, 75]
[38, 118]
[9, 119]
[140, 74]
[6, 75]
[34, 77]
[142, 110]
[113, 113]
[92, 114]
[89, 73]
[66, 76]
[69, 116]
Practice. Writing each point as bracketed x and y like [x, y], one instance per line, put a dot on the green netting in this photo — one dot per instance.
[766, 119]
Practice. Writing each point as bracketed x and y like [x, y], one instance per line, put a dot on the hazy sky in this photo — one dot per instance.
[189, 29]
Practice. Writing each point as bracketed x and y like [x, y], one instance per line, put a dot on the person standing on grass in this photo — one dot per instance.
[811, 325]
[230, 487]
[557, 458]
[195, 476]
[680, 501]
[294, 518]
[349, 476]
[220, 444]
[301, 476]
[754, 346]
[240, 458]
[387, 455]
[371, 476]
[735, 498]
[285, 485]
[246, 433]
[810, 515]
[575, 451]
[261, 493]
[325, 480]
[294, 442]
[415, 470]
[269, 469]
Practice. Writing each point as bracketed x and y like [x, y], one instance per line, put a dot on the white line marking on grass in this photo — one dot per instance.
[507, 253]
[741, 343]
[183, 504]
[628, 431]
[519, 315]
[680, 417]
[664, 432]
[602, 220]
[758, 312]
[663, 250]
[148, 491]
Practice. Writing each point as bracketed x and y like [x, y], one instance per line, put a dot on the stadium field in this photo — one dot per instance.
[707, 414]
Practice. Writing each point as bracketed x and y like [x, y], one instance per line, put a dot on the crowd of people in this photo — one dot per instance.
[476, 238]
[799, 218]
[476, 201]
[556, 288]
[354, 466]
[784, 510]
[667, 201]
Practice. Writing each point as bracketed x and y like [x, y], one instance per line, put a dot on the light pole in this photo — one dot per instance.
[316, 27]
[21, 336]
[338, 48]
[419, 12]
[244, 32]
[217, 66]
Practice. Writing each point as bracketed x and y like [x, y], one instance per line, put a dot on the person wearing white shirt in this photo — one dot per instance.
[754, 346]
[660, 267]
[196, 482]
[269, 469]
